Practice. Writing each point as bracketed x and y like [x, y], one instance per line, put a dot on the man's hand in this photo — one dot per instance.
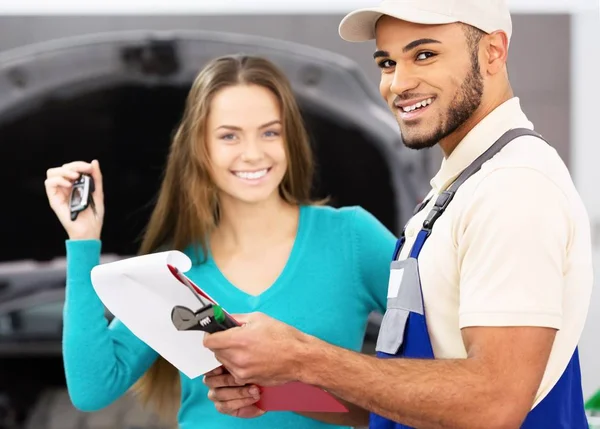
[262, 351]
[231, 398]
[240, 401]
[493, 388]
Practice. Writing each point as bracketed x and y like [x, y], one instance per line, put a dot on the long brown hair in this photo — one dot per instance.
[187, 207]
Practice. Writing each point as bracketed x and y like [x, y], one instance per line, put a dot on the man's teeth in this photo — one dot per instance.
[418, 105]
[251, 174]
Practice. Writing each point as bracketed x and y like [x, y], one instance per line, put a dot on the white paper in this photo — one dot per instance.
[141, 292]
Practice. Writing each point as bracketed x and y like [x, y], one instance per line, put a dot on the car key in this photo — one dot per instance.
[81, 196]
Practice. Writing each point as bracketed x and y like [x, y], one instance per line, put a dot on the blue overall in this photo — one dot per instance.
[404, 333]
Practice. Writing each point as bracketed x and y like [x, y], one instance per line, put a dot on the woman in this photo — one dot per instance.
[236, 199]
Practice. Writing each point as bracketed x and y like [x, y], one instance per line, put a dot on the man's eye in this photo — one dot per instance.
[385, 64]
[424, 55]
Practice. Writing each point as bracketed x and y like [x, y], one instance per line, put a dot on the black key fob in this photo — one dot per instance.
[81, 195]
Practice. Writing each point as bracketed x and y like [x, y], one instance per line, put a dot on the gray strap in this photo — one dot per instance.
[443, 200]
[505, 139]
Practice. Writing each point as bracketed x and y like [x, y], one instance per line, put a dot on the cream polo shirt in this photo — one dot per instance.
[513, 247]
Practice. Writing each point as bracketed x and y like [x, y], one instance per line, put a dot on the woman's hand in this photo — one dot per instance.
[231, 398]
[59, 183]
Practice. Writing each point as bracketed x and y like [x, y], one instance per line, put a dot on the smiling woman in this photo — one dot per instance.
[246, 145]
[235, 197]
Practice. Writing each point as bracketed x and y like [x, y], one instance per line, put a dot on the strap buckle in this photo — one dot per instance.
[441, 203]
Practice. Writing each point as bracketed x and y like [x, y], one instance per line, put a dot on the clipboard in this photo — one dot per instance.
[294, 396]
[159, 278]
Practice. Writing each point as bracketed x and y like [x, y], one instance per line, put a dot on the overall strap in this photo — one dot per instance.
[444, 199]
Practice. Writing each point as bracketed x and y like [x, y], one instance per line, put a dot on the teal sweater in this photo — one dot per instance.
[336, 275]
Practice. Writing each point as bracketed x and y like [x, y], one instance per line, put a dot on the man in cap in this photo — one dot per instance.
[490, 284]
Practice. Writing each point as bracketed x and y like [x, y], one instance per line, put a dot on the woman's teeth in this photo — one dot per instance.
[251, 175]
[418, 105]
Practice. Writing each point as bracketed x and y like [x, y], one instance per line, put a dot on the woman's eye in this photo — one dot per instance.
[228, 137]
[425, 55]
[270, 134]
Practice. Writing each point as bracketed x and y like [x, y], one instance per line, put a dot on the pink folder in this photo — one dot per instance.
[294, 396]
[298, 397]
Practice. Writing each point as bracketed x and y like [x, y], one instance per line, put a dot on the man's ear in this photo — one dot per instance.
[496, 52]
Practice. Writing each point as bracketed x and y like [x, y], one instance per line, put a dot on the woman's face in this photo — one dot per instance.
[245, 143]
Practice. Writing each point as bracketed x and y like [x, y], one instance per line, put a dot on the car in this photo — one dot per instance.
[30, 339]
[118, 97]
[31, 321]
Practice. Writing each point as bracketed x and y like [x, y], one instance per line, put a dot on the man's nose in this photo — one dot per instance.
[404, 80]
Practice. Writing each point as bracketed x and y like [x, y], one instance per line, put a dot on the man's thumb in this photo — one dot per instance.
[242, 319]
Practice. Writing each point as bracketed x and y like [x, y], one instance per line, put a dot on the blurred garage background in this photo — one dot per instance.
[107, 81]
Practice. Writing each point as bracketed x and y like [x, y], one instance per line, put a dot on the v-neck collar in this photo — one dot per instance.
[287, 271]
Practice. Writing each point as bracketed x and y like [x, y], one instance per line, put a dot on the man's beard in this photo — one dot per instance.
[466, 102]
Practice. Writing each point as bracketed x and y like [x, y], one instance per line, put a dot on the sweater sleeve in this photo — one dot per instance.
[102, 361]
[373, 246]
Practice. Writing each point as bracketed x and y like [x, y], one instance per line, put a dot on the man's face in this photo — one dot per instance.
[430, 78]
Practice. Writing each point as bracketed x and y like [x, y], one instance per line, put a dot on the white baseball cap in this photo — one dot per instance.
[486, 15]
